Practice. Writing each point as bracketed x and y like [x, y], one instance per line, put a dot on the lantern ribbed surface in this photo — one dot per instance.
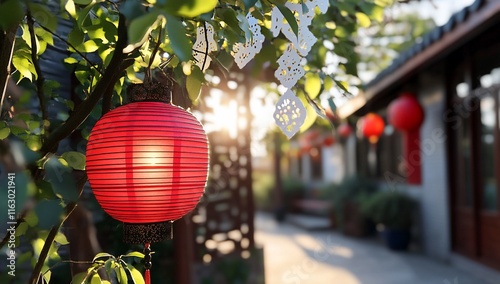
[147, 162]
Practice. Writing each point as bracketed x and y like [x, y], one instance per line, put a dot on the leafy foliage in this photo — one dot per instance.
[392, 209]
[116, 270]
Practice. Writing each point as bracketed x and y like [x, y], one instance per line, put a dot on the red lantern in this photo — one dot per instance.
[344, 130]
[329, 140]
[147, 163]
[405, 113]
[372, 126]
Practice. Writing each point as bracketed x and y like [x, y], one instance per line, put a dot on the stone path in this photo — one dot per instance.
[295, 255]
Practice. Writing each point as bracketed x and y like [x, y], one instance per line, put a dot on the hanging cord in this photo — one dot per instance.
[147, 263]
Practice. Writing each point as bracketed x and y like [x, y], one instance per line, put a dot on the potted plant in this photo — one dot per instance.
[347, 200]
[394, 211]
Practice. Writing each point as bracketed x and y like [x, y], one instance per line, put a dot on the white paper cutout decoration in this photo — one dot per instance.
[290, 114]
[200, 46]
[305, 39]
[289, 69]
[244, 52]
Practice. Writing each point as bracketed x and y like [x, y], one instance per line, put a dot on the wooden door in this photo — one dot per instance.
[475, 171]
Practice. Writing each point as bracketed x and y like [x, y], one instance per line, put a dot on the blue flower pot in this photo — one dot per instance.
[397, 239]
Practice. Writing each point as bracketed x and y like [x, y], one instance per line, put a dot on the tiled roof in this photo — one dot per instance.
[427, 40]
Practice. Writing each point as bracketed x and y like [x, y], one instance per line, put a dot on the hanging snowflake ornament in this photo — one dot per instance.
[244, 52]
[289, 69]
[290, 114]
[203, 45]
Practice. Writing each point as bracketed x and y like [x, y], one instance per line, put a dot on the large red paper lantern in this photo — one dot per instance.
[372, 126]
[405, 113]
[147, 164]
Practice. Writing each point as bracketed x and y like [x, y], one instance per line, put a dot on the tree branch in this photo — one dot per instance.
[93, 65]
[39, 79]
[7, 41]
[83, 110]
[48, 243]
[206, 46]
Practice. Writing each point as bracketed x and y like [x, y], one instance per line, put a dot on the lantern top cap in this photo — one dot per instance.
[153, 91]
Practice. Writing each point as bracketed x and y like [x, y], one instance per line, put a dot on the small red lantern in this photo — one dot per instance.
[328, 140]
[405, 113]
[344, 130]
[147, 164]
[372, 126]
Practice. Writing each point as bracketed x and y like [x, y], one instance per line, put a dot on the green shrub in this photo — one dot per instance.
[392, 209]
[352, 190]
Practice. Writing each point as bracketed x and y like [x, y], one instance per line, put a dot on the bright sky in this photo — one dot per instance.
[439, 10]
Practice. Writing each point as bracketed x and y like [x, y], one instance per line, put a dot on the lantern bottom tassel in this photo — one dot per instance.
[147, 263]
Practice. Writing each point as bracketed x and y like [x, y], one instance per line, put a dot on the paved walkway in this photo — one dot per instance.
[294, 255]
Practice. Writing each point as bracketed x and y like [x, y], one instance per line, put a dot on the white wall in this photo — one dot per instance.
[333, 163]
[433, 193]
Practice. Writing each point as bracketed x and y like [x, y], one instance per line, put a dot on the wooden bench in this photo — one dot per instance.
[313, 206]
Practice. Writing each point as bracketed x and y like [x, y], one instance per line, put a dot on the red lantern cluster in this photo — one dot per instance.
[372, 126]
[405, 113]
[147, 162]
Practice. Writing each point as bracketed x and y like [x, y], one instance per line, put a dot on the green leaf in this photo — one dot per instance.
[49, 213]
[34, 142]
[188, 8]
[332, 105]
[311, 114]
[76, 36]
[21, 229]
[109, 265]
[132, 9]
[342, 85]
[135, 254]
[90, 46]
[76, 160]
[140, 28]
[45, 190]
[61, 239]
[121, 275]
[290, 18]
[47, 274]
[82, 15]
[193, 84]
[249, 3]
[101, 255]
[61, 178]
[37, 245]
[4, 132]
[363, 19]
[23, 65]
[312, 85]
[82, 2]
[31, 218]
[96, 279]
[328, 83]
[43, 16]
[179, 41]
[79, 278]
[136, 275]
[11, 14]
